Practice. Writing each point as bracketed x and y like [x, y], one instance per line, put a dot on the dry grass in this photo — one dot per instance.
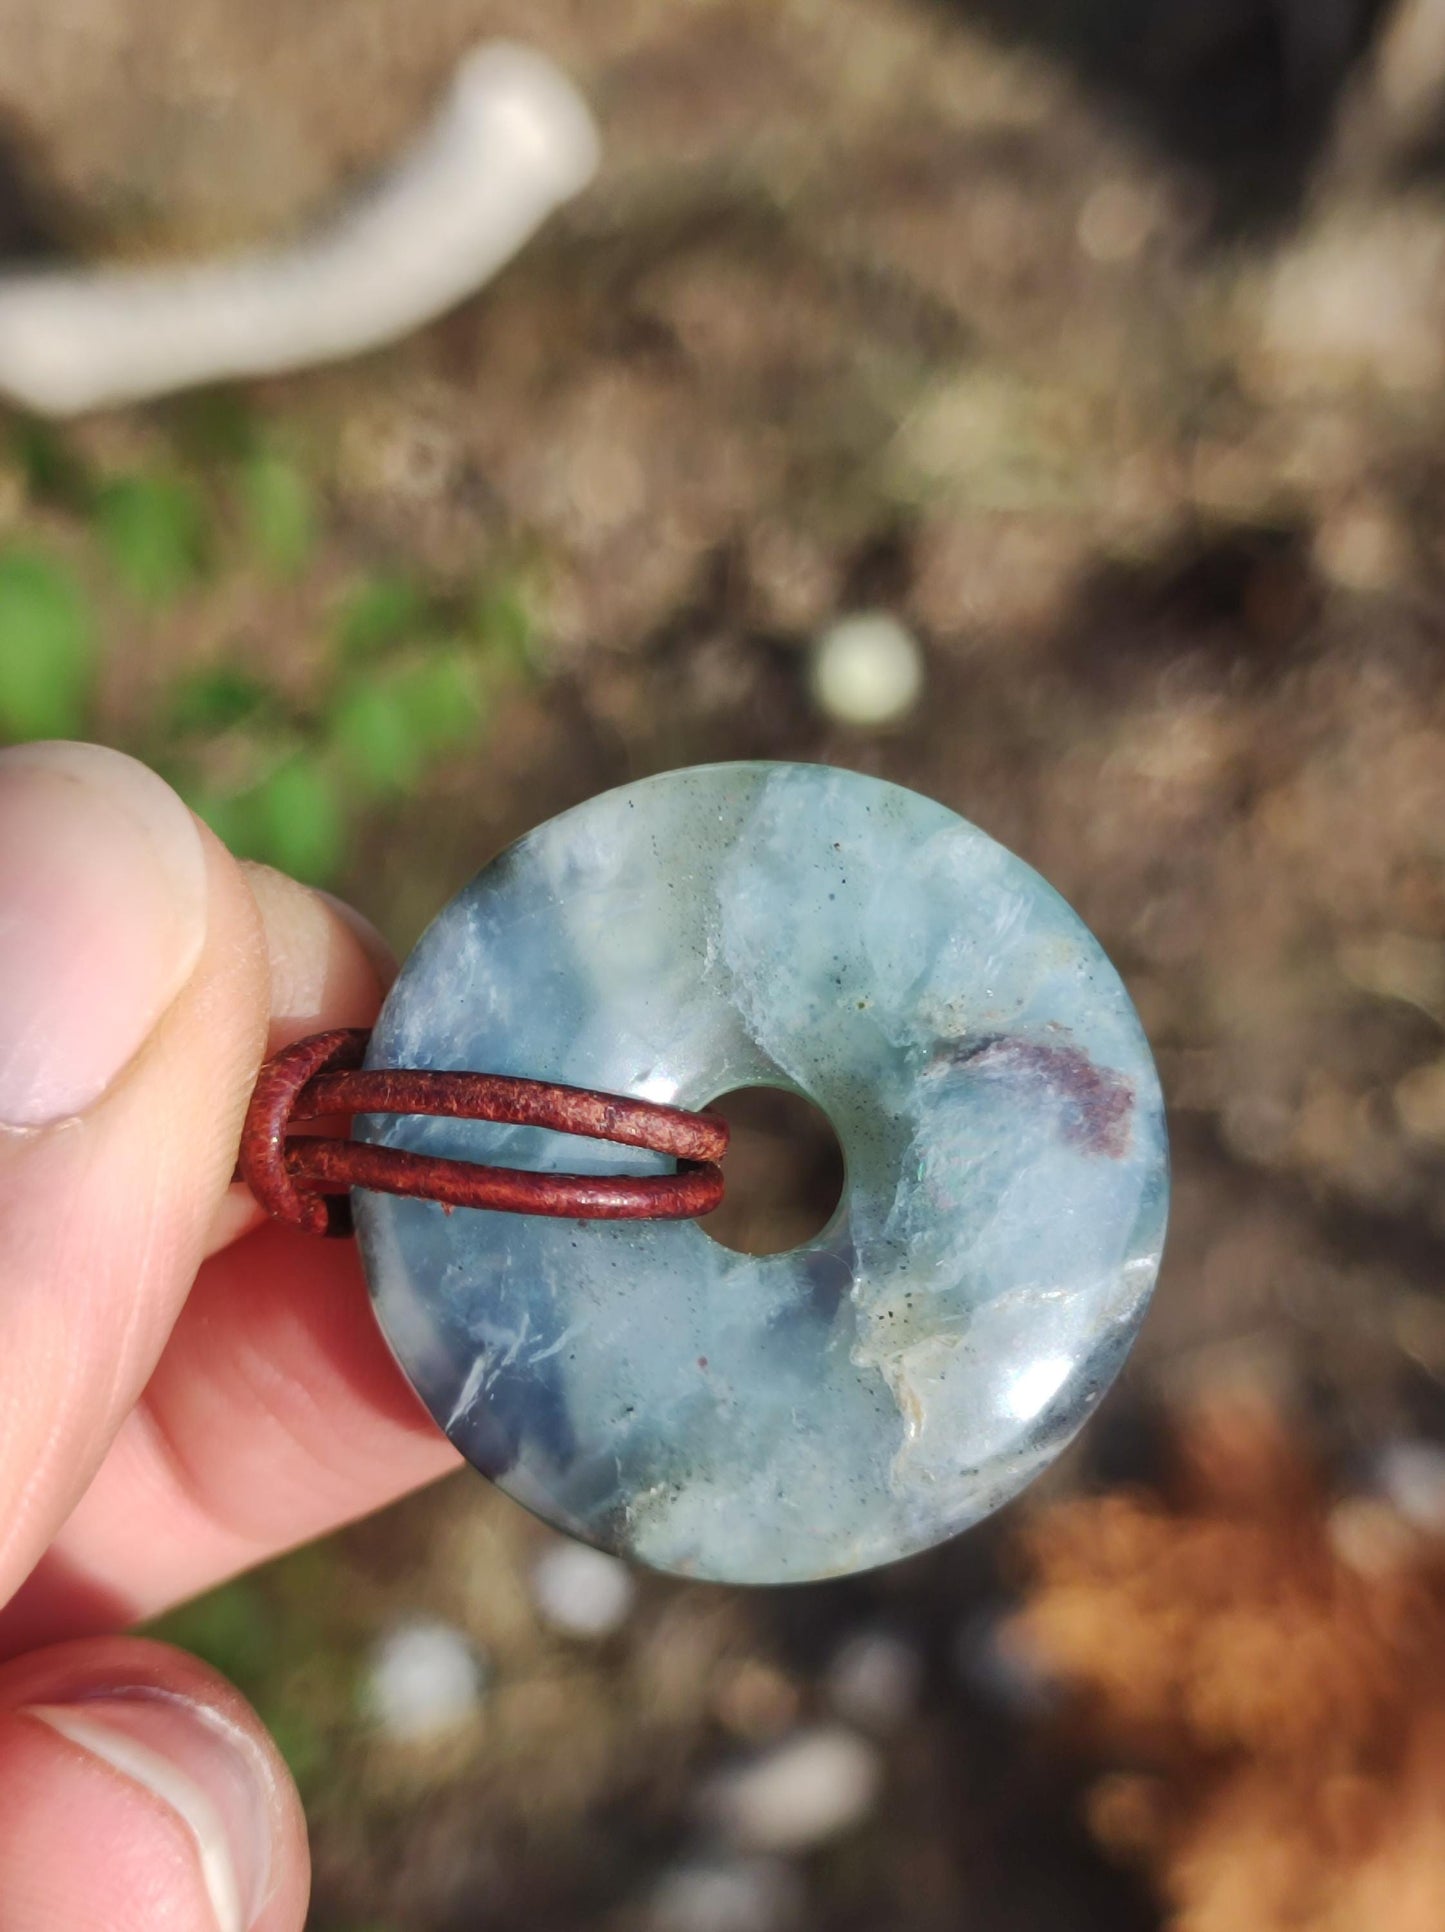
[1266, 1674]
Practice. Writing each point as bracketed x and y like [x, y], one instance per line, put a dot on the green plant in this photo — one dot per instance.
[215, 699]
[47, 648]
[388, 726]
[411, 678]
[280, 512]
[378, 613]
[156, 529]
[54, 474]
[232, 1628]
[288, 1638]
[282, 769]
[295, 818]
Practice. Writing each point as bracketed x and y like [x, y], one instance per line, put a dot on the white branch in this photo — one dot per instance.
[512, 142]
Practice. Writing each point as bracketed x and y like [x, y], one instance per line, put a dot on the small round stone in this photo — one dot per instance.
[425, 1680]
[1411, 1474]
[726, 1895]
[874, 1678]
[867, 670]
[812, 1787]
[775, 1418]
[582, 1592]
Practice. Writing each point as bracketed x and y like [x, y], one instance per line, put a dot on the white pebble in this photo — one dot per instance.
[873, 1679]
[1358, 301]
[425, 1680]
[731, 1895]
[1411, 1474]
[581, 1591]
[867, 670]
[815, 1786]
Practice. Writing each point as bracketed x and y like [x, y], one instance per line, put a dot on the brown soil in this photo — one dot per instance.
[882, 302]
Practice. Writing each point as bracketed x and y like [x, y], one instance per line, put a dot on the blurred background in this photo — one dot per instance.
[1036, 402]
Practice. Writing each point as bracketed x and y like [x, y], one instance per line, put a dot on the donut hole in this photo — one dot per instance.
[784, 1171]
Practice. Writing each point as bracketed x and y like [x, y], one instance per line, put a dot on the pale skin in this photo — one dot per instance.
[183, 1392]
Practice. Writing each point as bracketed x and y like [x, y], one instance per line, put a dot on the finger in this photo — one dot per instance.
[276, 1411]
[134, 998]
[138, 1790]
[275, 1414]
[328, 967]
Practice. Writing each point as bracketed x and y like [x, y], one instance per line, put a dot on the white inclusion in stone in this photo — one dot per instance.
[1033, 1388]
[776, 1418]
[812, 1787]
[425, 1680]
[867, 670]
[582, 1592]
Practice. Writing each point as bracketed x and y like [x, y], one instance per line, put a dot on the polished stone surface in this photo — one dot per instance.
[770, 1419]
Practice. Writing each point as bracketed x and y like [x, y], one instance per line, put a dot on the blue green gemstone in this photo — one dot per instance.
[769, 1419]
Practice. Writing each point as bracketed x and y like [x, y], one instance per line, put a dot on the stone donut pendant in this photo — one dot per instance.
[779, 1418]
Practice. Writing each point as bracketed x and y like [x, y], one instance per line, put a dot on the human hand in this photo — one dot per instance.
[176, 1402]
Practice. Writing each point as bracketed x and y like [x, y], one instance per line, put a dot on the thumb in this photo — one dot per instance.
[133, 1006]
[138, 1790]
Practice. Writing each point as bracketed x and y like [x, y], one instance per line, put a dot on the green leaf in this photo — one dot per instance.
[47, 651]
[504, 623]
[379, 613]
[231, 1628]
[53, 472]
[298, 1737]
[215, 699]
[377, 740]
[294, 820]
[440, 698]
[387, 726]
[225, 813]
[280, 512]
[156, 530]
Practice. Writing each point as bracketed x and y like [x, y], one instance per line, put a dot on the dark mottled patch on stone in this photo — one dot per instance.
[1096, 1103]
[829, 1277]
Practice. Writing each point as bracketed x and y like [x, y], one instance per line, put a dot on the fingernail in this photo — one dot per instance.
[209, 1773]
[102, 919]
